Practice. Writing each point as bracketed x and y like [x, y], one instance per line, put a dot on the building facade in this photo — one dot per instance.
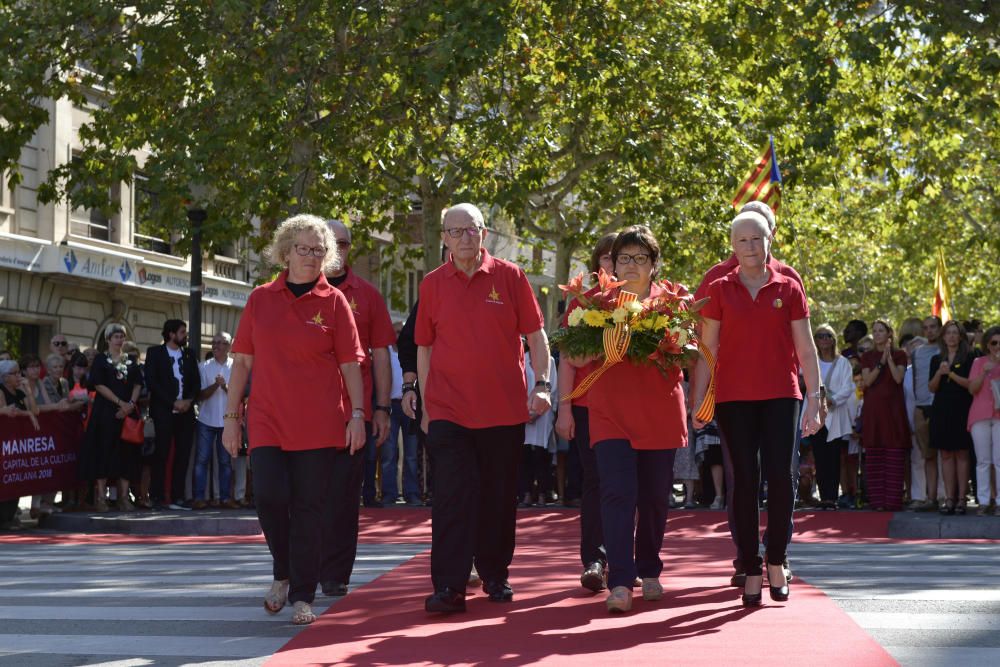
[74, 270]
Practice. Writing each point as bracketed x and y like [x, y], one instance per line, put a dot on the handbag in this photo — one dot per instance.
[995, 386]
[133, 430]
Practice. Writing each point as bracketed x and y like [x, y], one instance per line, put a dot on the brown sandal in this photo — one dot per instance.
[302, 613]
[277, 597]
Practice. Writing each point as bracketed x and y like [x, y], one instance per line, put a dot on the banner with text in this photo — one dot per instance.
[39, 461]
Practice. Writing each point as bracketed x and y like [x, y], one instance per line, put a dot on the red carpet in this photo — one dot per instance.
[554, 621]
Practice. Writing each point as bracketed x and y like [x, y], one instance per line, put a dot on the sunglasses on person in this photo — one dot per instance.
[60, 343]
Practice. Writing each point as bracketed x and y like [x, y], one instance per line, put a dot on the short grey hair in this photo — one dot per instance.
[224, 335]
[764, 210]
[7, 366]
[114, 328]
[469, 209]
[749, 216]
[52, 359]
[284, 238]
[333, 222]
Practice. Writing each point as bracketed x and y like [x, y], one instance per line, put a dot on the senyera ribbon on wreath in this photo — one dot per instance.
[616, 341]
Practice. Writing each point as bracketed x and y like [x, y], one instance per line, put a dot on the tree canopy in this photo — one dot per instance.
[568, 118]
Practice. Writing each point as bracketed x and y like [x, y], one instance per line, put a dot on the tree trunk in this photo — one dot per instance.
[432, 205]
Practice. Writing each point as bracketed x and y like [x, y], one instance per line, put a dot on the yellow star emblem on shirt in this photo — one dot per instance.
[494, 295]
[318, 318]
[353, 304]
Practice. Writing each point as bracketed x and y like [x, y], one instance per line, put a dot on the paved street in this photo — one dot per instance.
[149, 604]
[145, 603]
[927, 604]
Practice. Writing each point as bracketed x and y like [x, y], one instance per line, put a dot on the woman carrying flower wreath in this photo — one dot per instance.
[637, 415]
[117, 382]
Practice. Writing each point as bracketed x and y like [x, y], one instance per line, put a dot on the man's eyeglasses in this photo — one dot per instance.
[343, 244]
[640, 259]
[60, 343]
[219, 342]
[315, 251]
[456, 232]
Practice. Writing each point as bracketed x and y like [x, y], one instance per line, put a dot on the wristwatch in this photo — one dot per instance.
[384, 408]
[357, 413]
[544, 383]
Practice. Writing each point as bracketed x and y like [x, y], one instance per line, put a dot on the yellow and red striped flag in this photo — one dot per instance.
[763, 182]
[942, 295]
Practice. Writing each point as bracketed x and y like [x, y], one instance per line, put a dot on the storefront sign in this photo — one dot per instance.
[39, 461]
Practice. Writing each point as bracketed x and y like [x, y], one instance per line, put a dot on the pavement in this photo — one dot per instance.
[103, 589]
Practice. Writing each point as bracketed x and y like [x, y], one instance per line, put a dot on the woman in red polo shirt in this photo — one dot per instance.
[637, 421]
[756, 326]
[298, 336]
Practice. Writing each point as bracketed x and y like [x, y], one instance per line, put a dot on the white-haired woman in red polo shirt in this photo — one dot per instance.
[756, 326]
[298, 336]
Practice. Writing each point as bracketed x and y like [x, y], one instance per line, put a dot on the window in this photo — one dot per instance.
[144, 202]
[90, 223]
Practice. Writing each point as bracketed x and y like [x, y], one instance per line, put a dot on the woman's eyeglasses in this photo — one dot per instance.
[315, 251]
[994, 343]
[640, 259]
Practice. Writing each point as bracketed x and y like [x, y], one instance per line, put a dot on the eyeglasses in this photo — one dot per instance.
[60, 343]
[219, 342]
[315, 251]
[456, 232]
[640, 259]
[994, 343]
[343, 244]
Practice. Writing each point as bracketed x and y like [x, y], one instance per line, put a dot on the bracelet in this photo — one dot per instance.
[231, 415]
[384, 408]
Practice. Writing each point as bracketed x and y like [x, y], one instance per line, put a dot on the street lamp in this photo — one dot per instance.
[196, 214]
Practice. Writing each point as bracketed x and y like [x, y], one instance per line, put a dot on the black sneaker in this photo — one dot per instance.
[499, 591]
[332, 589]
[594, 577]
[446, 601]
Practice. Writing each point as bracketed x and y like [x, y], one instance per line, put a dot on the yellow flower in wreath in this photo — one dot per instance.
[595, 318]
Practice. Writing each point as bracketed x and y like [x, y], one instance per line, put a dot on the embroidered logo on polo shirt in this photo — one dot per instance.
[353, 304]
[494, 297]
[778, 303]
[317, 319]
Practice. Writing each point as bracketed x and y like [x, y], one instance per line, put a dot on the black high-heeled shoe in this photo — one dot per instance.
[778, 593]
[751, 599]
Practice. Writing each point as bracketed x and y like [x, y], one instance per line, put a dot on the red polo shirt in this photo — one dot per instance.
[756, 359]
[722, 268]
[582, 372]
[374, 326]
[474, 325]
[297, 345]
[637, 403]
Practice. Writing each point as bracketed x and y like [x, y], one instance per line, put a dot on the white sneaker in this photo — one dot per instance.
[651, 589]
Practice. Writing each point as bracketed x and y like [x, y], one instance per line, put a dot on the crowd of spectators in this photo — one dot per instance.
[912, 423]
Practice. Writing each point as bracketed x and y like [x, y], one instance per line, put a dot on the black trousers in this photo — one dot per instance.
[536, 466]
[475, 501]
[340, 525]
[291, 491]
[766, 429]
[591, 528]
[176, 428]
[827, 458]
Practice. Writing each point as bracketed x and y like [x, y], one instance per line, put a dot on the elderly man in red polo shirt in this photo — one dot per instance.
[470, 366]
[371, 316]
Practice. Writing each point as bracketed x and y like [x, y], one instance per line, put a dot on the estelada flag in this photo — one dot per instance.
[942, 295]
[763, 183]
